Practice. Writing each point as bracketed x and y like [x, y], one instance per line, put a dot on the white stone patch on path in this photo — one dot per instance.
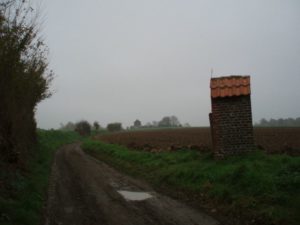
[135, 196]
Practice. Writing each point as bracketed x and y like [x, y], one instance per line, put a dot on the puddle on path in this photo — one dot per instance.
[135, 195]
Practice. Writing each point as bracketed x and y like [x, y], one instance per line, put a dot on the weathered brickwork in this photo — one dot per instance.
[231, 125]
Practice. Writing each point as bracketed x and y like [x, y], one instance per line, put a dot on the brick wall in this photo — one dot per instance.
[231, 124]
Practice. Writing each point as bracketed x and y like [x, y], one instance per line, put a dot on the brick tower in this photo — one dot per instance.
[231, 116]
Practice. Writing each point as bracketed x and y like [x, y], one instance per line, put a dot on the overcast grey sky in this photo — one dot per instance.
[121, 60]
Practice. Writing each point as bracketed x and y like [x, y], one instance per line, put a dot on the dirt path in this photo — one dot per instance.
[84, 191]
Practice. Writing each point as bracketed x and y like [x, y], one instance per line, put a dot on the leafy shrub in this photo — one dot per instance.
[96, 125]
[113, 127]
[24, 80]
[83, 128]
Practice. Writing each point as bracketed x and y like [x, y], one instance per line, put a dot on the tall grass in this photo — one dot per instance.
[23, 198]
[260, 187]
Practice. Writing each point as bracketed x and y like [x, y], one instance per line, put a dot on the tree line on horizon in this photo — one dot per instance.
[288, 122]
[166, 121]
[84, 128]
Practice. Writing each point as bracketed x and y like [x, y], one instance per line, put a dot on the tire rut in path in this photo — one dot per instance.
[84, 191]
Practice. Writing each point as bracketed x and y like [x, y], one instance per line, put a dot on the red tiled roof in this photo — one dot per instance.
[230, 86]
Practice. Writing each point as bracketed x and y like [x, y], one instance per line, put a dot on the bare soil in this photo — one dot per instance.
[271, 140]
[86, 191]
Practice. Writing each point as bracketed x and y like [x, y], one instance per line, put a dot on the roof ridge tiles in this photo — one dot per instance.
[228, 86]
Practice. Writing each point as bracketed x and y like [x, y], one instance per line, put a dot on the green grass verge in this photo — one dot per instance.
[23, 199]
[254, 186]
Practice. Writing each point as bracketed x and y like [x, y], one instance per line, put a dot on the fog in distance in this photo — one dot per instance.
[117, 61]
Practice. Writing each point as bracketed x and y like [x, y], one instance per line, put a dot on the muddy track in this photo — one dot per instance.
[85, 191]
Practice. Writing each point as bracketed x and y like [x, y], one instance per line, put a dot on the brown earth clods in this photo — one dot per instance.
[271, 140]
[84, 191]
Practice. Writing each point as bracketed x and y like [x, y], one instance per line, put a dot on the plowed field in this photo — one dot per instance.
[270, 139]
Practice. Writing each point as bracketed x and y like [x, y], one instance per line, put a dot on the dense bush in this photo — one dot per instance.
[24, 78]
[169, 121]
[96, 125]
[83, 128]
[113, 127]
